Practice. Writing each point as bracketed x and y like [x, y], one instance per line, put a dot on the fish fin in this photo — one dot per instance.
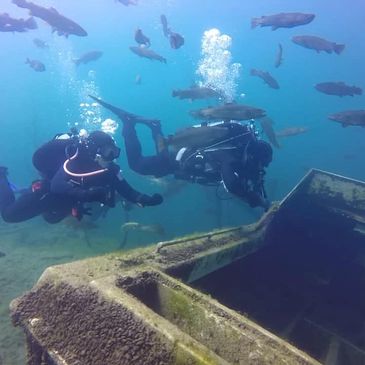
[274, 27]
[20, 3]
[338, 48]
[53, 10]
[344, 125]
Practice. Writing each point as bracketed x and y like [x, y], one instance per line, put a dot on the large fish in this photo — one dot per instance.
[282, 20]
[58, 22]
[165, 27]
[147, 53]
[196, 92]
[267, 127]
[176, 40]
[194, 137]
[318, 44]
[36, 65]
[291, 131]
[128, 2]
[9, 24]
[40, 43]
[88, 57]
[229, 111]
[147, 228]
[349, 117]
[140, 38]
[279, 56]
[266, 77]
[338, 88]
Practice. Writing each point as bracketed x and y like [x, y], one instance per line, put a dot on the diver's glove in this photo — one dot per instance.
[146, 200]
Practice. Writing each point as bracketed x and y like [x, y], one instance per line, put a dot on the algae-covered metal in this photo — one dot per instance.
[145, 306]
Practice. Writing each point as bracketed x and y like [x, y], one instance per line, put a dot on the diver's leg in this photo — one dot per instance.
[129, 120]
[146, 165]
[27, 206]
[56, 208]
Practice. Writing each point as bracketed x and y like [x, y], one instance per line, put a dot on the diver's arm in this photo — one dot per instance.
[62, 184]
[250, 190]
[128, 193]
[231, 180]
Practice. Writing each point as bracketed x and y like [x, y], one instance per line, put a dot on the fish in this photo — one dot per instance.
[268, 79]
[128, 2]
[197, 136]
[176, 40]
[282, 20]
[267, 127]
[40, 44]
[349, 117]
[170, 187]
[165, 27]
[36, 65]
[88, 57]
[148, 228]
[2, 254]
[138, 79]
[140, 38]
[291, 131]
[318, 44]
[279, 56]
[196, 92]
[147, 53]
[59, 23]
[9, 24]
[338, 88]
[228, 111]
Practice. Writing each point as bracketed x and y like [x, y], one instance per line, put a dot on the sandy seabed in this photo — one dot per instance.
[29, 249]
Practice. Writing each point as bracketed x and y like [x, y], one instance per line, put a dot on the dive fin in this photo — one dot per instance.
[122, 114]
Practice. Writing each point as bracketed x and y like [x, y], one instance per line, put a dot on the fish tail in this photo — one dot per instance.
[27, 61]
[255, 22]
[253, 72]
[174, 93]
[31, 24]
[338, 48]
[76, 61]
[357, 90]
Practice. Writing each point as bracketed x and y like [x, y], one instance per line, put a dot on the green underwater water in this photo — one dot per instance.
[36, 106]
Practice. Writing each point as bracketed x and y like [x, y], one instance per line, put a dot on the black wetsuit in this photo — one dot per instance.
[231, 160]
[58, 195]
[37, 200]
[101, 187]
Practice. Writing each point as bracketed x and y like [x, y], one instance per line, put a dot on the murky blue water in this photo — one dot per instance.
[36, 106]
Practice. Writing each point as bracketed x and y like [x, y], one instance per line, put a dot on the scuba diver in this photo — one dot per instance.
[75, 169]
[225, 152]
